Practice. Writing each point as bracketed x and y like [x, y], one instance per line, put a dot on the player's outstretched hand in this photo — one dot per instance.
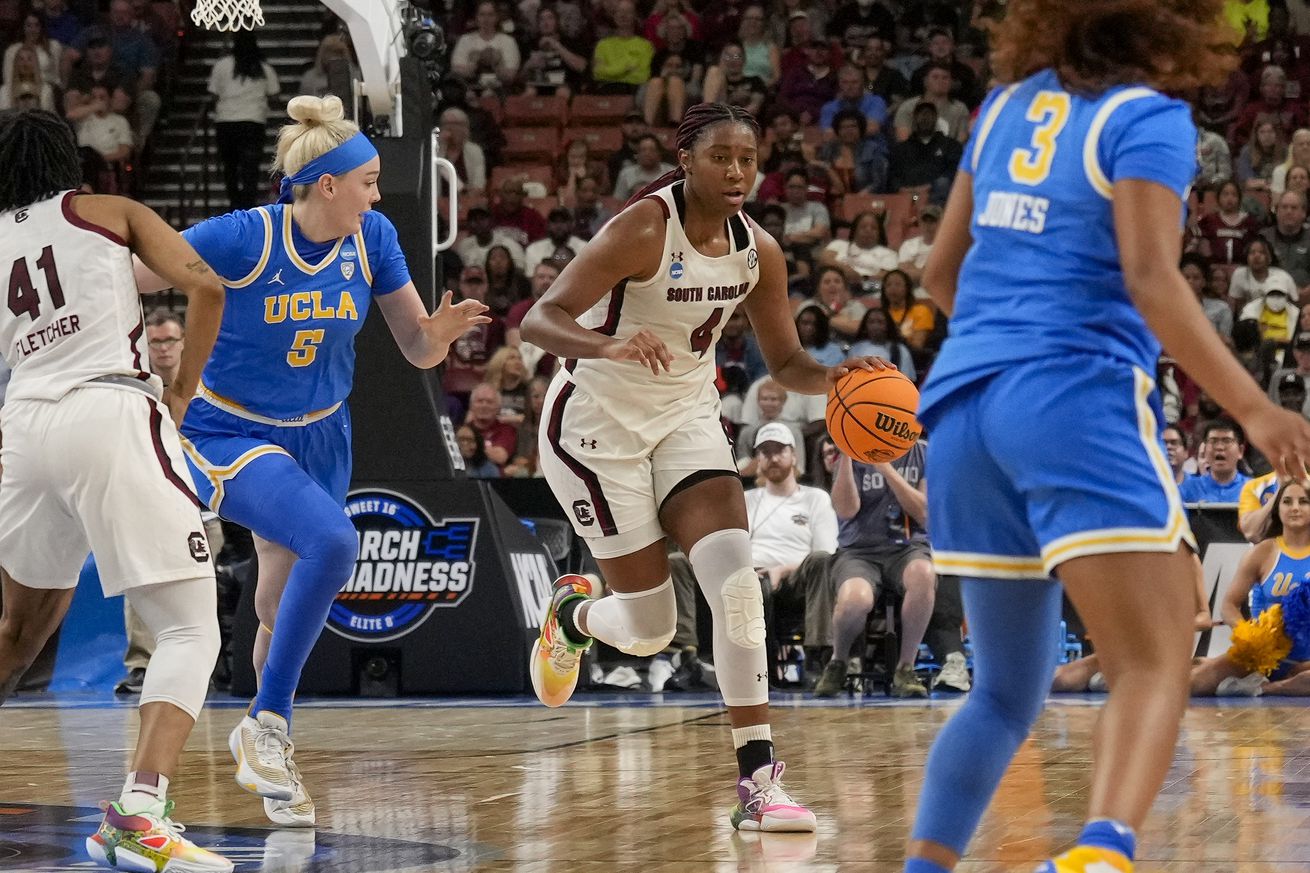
[177, 406]
[451, 320]
[872, 363]
[1284, 438]
[643, 347]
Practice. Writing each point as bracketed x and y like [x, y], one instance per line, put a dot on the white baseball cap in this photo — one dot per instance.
[774, 432]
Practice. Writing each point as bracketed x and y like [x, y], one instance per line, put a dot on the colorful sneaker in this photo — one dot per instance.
[1087, 859]
[906, 683]
[262, 749]
[553, 663]
[147, 843]
[763, 804]
[298, 812]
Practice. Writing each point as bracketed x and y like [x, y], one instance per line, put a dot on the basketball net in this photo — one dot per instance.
[228, 15]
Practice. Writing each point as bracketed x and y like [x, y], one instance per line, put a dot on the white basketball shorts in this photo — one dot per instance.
[99, 470]
[612, 480]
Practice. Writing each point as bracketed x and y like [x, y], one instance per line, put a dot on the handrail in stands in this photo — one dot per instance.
[200, 130]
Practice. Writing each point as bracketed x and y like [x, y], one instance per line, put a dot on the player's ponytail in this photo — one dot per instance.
[695, 123]
[39, 156]
[319, 125]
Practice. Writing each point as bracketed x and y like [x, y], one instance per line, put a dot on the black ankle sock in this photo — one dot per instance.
[754, 755]
[567, 611]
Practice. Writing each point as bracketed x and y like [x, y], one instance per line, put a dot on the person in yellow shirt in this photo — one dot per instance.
[1249, 18]
[621, 63]
[914, 317]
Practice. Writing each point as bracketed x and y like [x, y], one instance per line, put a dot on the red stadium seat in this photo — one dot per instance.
[602, 141]
[528, 110]
[525, 145]
[598, 110]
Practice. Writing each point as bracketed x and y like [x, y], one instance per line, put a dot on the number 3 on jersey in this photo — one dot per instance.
[304, 348]
[1050, 112]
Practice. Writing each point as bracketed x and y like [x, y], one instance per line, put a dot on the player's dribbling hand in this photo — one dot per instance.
[1284, 438]
[177, 406]
[643, 347]
[872, 363]
[451, 320]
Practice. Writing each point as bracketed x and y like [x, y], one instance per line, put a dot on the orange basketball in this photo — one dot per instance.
[871, 416]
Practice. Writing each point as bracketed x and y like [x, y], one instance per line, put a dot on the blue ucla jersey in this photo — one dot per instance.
[286, 347]
[1042, 278]
[1290, 572]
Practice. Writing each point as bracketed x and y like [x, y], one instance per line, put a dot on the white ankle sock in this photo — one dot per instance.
[143, 792]
[742, 736]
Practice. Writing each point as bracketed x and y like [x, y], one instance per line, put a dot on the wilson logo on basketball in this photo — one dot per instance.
[894, 427]
[409, 565]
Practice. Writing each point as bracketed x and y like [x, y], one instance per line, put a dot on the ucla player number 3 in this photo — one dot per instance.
[305, 347]
[1050, 112]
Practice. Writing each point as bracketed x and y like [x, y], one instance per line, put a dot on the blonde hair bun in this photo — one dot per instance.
[316, 110]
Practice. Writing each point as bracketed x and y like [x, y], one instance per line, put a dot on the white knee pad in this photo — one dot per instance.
[183, 616]
[641, 624]
[722, 561]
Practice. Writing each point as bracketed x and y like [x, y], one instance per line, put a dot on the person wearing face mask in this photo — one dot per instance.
[267, 436]
[1275, 315]
[1260, 275]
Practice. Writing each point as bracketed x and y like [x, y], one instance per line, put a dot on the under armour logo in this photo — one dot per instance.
[675, 256]
[759, 677]
[586, 444]
[276, 280]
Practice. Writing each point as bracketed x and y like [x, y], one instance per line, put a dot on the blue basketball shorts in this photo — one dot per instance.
[219, 444]
[1048, 461]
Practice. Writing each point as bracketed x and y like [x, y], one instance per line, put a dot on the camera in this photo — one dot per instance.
[426, 41]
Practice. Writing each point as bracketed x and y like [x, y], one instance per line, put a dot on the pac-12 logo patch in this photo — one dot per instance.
[347, 270]
[409, 565]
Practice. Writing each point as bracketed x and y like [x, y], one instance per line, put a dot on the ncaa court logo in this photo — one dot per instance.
[409, 566]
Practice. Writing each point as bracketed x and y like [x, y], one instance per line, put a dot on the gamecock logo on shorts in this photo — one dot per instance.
[409, 565]
[582, 509]
[199, 546]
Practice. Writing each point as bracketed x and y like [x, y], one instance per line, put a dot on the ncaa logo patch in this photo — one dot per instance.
[409, 566]
[348, 270]
[675, 271]
[752, 258]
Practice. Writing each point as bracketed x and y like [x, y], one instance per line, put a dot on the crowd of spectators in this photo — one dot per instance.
[100, 65]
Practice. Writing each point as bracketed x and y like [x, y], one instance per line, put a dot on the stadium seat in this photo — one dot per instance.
[536, 172]
[528, 110]
[530, 144]
[598, 110]
[602, 141]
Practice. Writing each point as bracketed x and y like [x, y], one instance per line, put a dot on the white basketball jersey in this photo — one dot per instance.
[686, 305]
[72, 313]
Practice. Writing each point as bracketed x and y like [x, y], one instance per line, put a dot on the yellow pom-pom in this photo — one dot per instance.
[1259, 645]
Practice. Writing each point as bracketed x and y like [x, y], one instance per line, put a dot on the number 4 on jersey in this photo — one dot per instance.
[23, 296]
[703, 337]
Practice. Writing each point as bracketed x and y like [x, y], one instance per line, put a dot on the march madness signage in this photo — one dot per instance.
[409, 565]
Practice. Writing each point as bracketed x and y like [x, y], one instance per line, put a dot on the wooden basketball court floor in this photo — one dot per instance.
[635, 783]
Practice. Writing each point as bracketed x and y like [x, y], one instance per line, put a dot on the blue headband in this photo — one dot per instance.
[354, 152]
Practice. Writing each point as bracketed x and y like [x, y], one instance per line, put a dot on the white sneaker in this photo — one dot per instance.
[659, 672]
[1097, 684]
[1250, 685]
[954, 675]
[262, 750]
[298, 812]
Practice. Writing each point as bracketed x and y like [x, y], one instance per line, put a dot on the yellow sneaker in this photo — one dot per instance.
[1088, 859]
[553, 663]
[146, 842]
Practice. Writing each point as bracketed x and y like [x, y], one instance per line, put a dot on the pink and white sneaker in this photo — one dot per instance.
[763, 804]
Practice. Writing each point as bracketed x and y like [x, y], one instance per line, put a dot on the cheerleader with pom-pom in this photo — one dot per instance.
[1275, 642]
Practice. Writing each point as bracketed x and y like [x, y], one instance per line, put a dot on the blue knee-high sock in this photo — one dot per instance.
[283, 505]
[1014, 626]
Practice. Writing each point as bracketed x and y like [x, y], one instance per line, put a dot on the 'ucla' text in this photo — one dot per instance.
[304, 305]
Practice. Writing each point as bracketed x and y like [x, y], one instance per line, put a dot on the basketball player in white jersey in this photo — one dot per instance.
[632, 445]
[92, 462]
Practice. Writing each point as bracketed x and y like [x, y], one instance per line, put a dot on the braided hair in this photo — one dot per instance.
[39, 155]
[696, 122]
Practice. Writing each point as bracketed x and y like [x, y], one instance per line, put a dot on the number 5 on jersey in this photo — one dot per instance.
[1050, 112]
[304, 348]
